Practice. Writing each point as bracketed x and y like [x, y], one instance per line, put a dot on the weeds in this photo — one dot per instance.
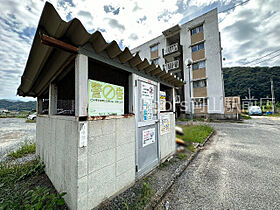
[190, 147]
[245, 116]
[24, 150]
[182, 156]
[19, 192]
[30, 121]
[145, 196]
[196, 133]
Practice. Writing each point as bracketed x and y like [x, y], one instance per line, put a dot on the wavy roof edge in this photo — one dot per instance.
[73, 32]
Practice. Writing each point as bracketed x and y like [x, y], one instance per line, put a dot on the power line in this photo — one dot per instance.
[236, 5]
[267, 59]
[262, 57]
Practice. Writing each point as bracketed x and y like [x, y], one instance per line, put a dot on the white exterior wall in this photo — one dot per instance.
[144, 50]
[215, 89]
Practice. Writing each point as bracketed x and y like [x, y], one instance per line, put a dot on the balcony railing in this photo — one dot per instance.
[171, 49]
[172, 65]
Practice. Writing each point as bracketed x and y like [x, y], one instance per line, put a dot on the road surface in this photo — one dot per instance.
[13, 133]
[239, 169]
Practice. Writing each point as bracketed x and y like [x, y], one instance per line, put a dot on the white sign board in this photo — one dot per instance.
[105, 99]
[149, 136]
[147, 96]
[164, 124]
[162, 98]
[83, 131]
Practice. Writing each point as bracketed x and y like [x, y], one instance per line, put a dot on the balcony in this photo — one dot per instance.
[172, 51]
[172, 66]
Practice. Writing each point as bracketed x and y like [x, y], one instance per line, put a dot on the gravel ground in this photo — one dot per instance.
[155, 179]
[13, 133]
[239, 169]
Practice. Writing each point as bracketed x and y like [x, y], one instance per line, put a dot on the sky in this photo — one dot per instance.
[248, 31]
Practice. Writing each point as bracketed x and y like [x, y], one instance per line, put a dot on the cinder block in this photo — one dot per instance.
[82, 167]
[82, 202]
[125, 137]
[125, 124]
[101, 160]
[125, 150]
[98, 179]
[125, 165]
[82, 187]
[108, 126]
[94, 128]
[101, 143]
[125, 179]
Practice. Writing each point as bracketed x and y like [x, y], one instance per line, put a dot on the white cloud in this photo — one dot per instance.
[134, 23]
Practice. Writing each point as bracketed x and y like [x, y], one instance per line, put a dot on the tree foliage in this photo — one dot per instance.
[17, 105]
[237, 80]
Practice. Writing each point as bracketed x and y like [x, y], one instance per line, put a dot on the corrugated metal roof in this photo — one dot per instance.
[74, 33]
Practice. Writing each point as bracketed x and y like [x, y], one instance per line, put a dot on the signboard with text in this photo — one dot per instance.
[149, 136]
[105, 99]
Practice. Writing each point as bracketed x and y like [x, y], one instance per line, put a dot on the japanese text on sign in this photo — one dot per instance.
[149, 136]
[105, 99]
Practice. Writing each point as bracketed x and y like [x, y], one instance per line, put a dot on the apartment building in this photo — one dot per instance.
[199, 40]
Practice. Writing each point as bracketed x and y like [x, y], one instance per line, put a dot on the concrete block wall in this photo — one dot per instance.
[56, 144]
[167, 141]
[107, 165]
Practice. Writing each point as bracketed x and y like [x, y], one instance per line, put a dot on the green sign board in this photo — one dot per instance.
[105, 99]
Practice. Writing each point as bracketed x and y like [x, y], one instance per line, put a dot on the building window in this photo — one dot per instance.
[154, 51]
[156, 61]
[197, 30]
[198, 47]
[199, 102]
[198, 65]
[199, 84]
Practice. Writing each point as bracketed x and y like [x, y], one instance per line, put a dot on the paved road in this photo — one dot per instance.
[13, 133]
[239, 169]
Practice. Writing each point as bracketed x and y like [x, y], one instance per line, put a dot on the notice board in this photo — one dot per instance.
[105, 99]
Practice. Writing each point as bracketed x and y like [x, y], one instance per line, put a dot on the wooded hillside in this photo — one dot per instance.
[237, 80]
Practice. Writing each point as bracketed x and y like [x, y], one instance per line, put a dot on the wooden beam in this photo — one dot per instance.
[52, 42]
[62, 68]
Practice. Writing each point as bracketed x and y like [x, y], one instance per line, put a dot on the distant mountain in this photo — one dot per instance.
[12, 105]
[237, 80]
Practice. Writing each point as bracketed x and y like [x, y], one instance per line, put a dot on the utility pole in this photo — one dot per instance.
[249, 90]
[272, 95]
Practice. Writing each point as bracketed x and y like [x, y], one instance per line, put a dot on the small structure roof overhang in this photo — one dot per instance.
[56, 44]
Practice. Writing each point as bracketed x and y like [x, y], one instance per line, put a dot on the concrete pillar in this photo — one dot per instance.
[39, 106]
[81, 85]
[52, 99]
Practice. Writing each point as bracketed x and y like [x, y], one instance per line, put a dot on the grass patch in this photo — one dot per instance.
[145, 195]
[245, 116]
[196, 133]
[23, 151]
[190, 147]
[20, 191]
[30, 121]
[182, 156]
